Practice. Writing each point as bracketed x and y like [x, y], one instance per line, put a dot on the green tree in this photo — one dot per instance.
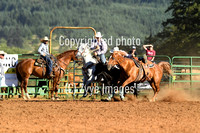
[35, 18]
[181, 34]
[15, 38]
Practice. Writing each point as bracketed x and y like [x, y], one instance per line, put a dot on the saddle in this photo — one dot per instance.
[42, 63]
[144, 71]
[146, 67]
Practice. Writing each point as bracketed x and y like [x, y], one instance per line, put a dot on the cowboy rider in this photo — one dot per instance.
[43, 50]
[101, 47]
[133, 53]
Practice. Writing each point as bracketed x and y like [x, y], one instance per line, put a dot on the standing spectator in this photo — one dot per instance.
[150, 53]
[101, 47]
[2, 73]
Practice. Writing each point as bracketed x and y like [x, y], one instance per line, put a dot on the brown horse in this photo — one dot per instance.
[135, 74]
[26, 67]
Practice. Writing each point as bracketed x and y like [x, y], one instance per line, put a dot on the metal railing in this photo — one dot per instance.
[186, 69]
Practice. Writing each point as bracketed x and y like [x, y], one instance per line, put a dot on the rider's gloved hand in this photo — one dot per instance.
[95, 53]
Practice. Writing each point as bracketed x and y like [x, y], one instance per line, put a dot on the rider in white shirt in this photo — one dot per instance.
[101, 47]
[43, 50]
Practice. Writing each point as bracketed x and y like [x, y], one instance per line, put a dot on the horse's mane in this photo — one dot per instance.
[122, 52]
[123, 56]
[64, 53]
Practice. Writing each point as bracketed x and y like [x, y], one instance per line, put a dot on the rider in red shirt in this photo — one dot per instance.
[149, 52]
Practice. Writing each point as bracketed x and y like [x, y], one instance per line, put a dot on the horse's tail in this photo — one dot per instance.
[19, 77]
[166, 67]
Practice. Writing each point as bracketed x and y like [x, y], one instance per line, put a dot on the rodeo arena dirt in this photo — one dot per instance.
[59, 105]
[172, 113]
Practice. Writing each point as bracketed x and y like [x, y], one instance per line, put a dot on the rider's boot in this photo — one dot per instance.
[50, 76]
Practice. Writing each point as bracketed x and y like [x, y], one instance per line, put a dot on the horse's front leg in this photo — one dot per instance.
[86, 86]
[128, 81]
[25, 88]
[52, 89]
[89, 81]
[86, 81]
[56, 91]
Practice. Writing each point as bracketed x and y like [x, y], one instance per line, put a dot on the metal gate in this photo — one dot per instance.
[186, 72]
[69, 87]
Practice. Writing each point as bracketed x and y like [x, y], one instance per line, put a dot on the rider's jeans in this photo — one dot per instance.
[103, 58]
[49, 64]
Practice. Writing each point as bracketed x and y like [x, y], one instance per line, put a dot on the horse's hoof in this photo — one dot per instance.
[152, 100]
[83, 97]
[52, 98]
[56, 98]
[106, 100]
[124, 99]
[28, 97]
[24, 98]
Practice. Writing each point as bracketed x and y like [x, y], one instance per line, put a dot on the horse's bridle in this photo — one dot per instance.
[83, 52]
[91, 51]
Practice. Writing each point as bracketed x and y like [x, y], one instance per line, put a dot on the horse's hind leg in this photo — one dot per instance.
[56, 92]
[156, 89]
[22, 89]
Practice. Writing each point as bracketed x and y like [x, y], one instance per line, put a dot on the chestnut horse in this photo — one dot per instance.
[26, 67]
[136, 75]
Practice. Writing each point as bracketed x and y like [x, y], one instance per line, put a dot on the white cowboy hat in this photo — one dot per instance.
[133, 47]
[45, 39]
[2, 52]
[98, 34]
[114, 49]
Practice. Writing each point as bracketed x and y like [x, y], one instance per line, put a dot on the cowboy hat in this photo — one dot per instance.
[114, 49]
[98, 34]
[2, 53]
[133, 47]
[45, 39]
